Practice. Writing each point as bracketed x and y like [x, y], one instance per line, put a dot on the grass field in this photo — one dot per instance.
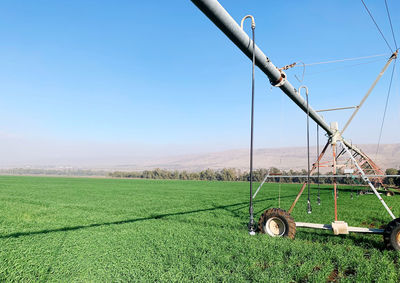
[75, 229]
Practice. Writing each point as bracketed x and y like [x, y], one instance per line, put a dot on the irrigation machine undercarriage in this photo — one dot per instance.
[278, 222]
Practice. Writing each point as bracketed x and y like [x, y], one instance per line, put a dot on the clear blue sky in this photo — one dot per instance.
[159, 77]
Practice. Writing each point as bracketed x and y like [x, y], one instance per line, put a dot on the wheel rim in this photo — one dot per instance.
[398, 238]
[275, 227]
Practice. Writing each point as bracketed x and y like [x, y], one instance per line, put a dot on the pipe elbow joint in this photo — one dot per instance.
[253, 23]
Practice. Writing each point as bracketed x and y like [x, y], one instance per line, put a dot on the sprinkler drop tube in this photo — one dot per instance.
[251, 212]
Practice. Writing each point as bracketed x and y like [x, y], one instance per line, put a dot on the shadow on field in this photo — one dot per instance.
[234, 209]
[157, 216]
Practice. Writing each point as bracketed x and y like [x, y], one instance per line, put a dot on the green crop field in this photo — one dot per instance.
[77, 229]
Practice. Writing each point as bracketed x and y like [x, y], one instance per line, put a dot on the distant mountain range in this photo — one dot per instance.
[282, 158]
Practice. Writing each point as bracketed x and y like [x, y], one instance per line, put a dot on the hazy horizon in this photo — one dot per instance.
[92, 155]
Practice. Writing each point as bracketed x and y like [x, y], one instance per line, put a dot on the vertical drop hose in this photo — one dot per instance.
[319, 195]
[251, 223]
[251, 211]
[309, 209]
[352, 166]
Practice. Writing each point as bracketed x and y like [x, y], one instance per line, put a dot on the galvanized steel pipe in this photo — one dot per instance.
[221, 18]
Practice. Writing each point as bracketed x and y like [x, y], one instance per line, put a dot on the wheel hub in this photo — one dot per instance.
[275, 227]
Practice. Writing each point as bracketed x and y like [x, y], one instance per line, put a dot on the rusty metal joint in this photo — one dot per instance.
[288, 66]
[281, 81]
[394, 55]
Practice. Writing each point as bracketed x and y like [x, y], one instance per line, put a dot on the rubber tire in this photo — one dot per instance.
[390, 235]
[284, 216]
[389, 193]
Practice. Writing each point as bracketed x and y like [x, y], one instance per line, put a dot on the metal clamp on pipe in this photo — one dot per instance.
[281, 81]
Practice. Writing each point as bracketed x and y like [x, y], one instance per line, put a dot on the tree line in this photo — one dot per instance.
[231, 174]
[226, 174]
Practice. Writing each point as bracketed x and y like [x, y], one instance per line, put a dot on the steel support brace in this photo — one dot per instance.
[394, 56]
[366, 179]
[329, 227]
[262, 183]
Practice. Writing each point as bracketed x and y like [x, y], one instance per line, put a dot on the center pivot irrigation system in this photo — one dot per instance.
[276, 221]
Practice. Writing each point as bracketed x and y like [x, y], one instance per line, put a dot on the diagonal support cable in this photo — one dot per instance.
[384, 112]
[391, 25]
[384, 38]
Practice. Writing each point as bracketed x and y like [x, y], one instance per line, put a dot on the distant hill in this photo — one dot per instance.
[282, 158]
